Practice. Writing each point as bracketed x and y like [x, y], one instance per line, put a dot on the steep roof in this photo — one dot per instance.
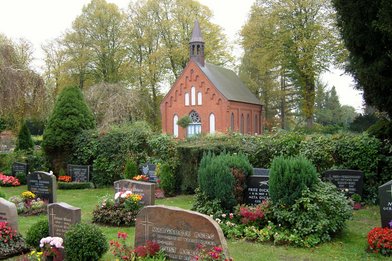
[196, 34]
[229, 84]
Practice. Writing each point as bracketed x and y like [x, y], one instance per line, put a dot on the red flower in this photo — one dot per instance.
[122, 235]
[141, 251]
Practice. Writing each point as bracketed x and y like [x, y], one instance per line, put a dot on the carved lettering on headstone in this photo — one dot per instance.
[61, 217]
[145, 189]
[43, 184]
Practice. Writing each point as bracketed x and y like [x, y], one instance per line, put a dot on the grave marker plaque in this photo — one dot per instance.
[146, 189]
[149, 170]
[257, 187]
[8, 213]
[18, 167]
[79, 173]
[43, 184]
[385, 197]
[348, 181]
[61, 217]
[178, 231]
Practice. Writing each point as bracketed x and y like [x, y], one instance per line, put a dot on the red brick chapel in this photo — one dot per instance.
[214, 98]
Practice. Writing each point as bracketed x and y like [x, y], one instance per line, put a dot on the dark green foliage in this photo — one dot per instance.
[206, 206]
[131, 169]
[37, 231]
[75, 185]
[21, 177]
[316, 215]
[167, 180]
[85, 242]
[382, 129]
[164, 148]
[362, 122]
[216, 177]
[24, 141]
[36, 126]
[184, 121]
[290, 176]
[114, 216]
[319, 149]
[70, 117]
[366, 29]
[85, 148]
[114, 148]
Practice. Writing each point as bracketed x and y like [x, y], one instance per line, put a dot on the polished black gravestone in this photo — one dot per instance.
[18, 167]
[348, 181]
[149, 170]
[385, 197]
[43, 184]
[257, 187]
[79, 173]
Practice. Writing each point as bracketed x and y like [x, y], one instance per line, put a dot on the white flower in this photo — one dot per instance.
[52, 241]
[224, 215]
[117, 195]
[126, 193]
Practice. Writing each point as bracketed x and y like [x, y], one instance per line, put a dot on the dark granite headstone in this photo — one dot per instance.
[61, 217]
[146, 189]
[18, 167]
[178, 231]
[257, 187]
[43, 184]
[8, 213]
[348, 181]
[385, 197]
[149, 170]
[79, 173]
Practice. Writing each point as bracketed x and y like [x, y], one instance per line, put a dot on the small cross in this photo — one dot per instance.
[52, 220]
[147, 224]
[390, 191]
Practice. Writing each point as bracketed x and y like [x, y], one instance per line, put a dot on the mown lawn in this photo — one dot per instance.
[349, 245]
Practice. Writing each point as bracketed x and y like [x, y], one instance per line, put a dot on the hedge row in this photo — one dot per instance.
[109, 152]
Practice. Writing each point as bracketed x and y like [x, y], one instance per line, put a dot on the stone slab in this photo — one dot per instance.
[146, 189]
[8, 213]
[385, 197]
[43, 184]
[61, 216]
[348, 181]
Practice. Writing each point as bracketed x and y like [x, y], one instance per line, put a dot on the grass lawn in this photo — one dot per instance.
[349, 245]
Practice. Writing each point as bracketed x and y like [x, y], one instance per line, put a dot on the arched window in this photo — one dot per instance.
[232, 121]
[199, 98]
[193, 96]
[195, 126]
[247, 123]
[175, 126]
[242, 124]
[256, 124]
[212, 123]
[186, 99]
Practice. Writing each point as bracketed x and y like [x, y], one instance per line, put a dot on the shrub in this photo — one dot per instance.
[206, 206]
[75, 185]
[37, 231]
[289, 177]
[85, 242]
[24, 141]
[131, 169]
[70, 116]
[315, 216]
[223, 177]
[167, 180]
[21, 177]
[11, 242]
[380, 241]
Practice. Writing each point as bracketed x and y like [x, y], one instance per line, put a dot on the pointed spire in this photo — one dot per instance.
[196, 34]
[196, 45]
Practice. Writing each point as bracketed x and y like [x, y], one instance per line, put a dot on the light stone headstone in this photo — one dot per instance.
[61, 216]
[178, 232]
[145, 189]
[8, 213]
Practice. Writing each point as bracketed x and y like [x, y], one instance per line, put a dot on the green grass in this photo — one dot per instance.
[349, 245]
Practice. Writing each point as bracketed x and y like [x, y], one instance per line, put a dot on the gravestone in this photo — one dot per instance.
[43, 184]
[149, 170]
[79, 173]
[385, 197]
[8, 213]
[346, 180]
[257, 187]
[145, 189]
[18, 167]
[61, 216]
[178, 232]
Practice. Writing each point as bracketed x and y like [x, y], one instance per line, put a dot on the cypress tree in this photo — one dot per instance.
[24, 138]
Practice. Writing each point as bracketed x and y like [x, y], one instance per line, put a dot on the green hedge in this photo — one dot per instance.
[75, 185]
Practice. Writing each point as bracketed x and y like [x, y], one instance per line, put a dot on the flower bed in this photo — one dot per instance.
[118, 211]
[28, 204]
[380, 241]
[11, 243]
[8, 181]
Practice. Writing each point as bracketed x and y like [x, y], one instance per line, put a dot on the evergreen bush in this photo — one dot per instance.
[288, 177]
[21, 177]
[24, 141]
[75, 185]
[167, 181]
[223, 177]
[37, 231]
[131, 169]
[70, 116]
[84, 242]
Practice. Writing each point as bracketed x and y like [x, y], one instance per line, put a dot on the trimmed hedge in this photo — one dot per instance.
[75, 185]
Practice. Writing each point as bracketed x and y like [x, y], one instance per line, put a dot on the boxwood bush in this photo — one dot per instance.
[37, 231]
[75, 185]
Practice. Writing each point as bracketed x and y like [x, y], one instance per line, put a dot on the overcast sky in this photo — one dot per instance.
[42, 20]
